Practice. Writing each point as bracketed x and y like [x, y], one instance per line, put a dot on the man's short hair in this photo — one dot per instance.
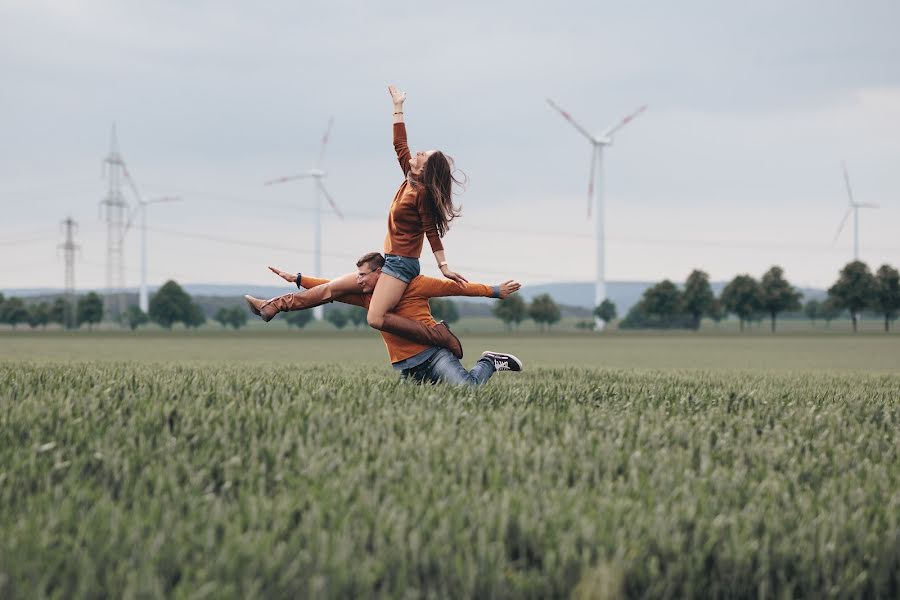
[374, 259]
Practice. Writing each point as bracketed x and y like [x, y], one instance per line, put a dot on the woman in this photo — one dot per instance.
[422, 208]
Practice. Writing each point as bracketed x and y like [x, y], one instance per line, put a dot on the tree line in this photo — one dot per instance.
[667, 306]
[88, 309]
[664, 305]
[169, 305]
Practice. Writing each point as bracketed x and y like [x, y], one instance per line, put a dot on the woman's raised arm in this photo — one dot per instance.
[397, 97]
[401, 146]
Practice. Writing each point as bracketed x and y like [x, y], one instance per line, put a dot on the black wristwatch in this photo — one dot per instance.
[299, 277]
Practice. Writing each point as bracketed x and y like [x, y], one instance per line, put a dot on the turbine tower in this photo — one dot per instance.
[854, 208]
[595, 194]
[116, 208]
[69, 247]
[143, 296]
[317, 174]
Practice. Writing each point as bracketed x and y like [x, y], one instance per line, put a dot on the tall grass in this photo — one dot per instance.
[129, 480]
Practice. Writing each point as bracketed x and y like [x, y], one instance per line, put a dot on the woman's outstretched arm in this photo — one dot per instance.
[401, 146]
[446, 271]
[397, 97]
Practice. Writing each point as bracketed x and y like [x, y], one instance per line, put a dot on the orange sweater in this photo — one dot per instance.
[413, 305]
[410, 218]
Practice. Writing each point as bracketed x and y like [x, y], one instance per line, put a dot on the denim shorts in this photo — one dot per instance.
[401, 267]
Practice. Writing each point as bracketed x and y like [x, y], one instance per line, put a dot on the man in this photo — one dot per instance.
[415, 361]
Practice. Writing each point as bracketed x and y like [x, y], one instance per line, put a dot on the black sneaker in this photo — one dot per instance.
[503, 362]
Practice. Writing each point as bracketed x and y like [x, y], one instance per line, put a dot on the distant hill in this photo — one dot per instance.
[576, 299]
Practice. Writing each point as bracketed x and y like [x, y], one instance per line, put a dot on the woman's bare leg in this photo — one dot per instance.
[385, 297]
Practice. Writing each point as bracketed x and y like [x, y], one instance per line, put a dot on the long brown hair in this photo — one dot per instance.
[438, 179]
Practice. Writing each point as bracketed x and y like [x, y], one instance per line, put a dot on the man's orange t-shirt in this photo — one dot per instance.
[412, 305]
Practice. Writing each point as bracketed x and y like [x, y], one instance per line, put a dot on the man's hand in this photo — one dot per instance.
[289, 277]
[509, 287]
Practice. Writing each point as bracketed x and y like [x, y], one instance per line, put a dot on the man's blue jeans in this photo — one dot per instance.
[443, 366]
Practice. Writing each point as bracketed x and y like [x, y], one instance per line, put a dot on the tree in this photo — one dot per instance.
[195, 316]
[661, 307]
[90, 309]
[777, 294]
[887, 294]
[134, 317]
[444, 310]
[58, 311]
[64, 313]
[743, 297]
[222, 315]
[237, 317]
[698, 296]
[813, 310]
[716, 311]
[511, 310]
[39, 315]
[13, 312]
[357, 315]
[337, 317]
[543, 310]
[829, 312]
[605, 311]
[854, 289]
[171, 304]
[299, 318]
[664, 301]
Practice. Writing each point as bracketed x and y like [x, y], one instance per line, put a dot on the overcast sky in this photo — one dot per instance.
[735, 165]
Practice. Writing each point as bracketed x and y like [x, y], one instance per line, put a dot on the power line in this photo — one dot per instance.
[42, 239]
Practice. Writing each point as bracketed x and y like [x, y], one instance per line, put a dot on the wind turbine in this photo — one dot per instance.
[854, 208]
[598, 143]
[317, 174]
[143, 297]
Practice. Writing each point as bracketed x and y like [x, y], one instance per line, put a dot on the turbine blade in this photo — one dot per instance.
[868, 205]
[288, 178]
[624, 121]
[847, 182]
[841, 226]
[591, 181]
[325, 141]
[330, 199]
[569, 118]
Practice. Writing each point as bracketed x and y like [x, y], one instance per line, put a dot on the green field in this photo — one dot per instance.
[268, 463]
[818, 351]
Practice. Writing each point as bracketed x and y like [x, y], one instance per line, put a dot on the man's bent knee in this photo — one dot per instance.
[375, 321]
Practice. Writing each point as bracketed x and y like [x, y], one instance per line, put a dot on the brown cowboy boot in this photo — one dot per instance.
[321, 294]
[436, 335]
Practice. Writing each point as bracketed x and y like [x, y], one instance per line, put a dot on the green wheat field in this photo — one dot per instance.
[276, 464]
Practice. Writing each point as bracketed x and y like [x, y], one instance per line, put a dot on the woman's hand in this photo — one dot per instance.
[509, 287]
[397, 96]
[289, 277]
[445, 270]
